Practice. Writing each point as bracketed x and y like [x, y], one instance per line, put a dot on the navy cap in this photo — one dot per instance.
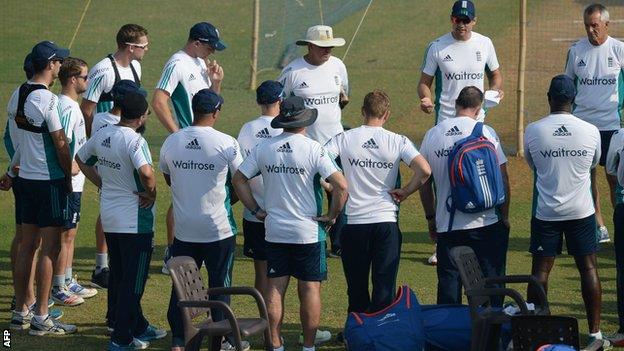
[206, 101]
[562, 89]
[133, 105]
[46, 51]
[206, 32]
[269, 91]
[29, 68]
[125, 86]
[464, 8]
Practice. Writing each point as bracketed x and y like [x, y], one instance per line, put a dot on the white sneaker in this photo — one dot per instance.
[80, 290]
[226, 346]
[50, 326]
[433, 259]
[603, 235]
[321, 337]
[139, 344]
[63, 297]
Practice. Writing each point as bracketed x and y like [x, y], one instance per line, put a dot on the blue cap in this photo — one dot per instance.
[125, 86]
[562, 89]
[463, 8]
[269, 91]
[29, 68]
[206, 32]
[46, 51]
[206, 101]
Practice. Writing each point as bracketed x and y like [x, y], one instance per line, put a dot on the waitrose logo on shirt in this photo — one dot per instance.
[321, 100]
[463, 75]
[597, 81]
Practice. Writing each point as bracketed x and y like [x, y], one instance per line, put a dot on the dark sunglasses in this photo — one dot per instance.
[458, 20]
[83, 77]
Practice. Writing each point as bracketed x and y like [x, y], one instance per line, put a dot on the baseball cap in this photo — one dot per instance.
[322, 36]
[206, 32]
[463, 8]
[562, 89]
[46, 51]
[125, 86]
[133, 105]
[206, 101]
[294, 114]
[269, 92]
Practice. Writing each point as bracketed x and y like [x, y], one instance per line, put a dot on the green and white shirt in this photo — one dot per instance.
[102, 79]
[118, 153]
[36, 154]
[74, 126]
[456, 64]
[182, 77]
[597, 71]
[615, 163]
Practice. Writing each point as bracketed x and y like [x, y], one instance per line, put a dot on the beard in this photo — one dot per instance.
[141, 129]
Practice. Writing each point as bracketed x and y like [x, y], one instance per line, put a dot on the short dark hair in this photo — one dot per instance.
[71, 67]
[376, 104]
[469, 97]
[129, 33]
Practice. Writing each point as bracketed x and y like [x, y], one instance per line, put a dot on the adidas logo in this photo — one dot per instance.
[271, 270]
[370, 144]
[453, 131]
[582, 63]
[470, 205]
[448, 58]
[540, 248]
[303, 85]
[106, 143]
[285, 148]
[191, 77]
[479, 56]
[264, 133]
[562, 131]
[193, 145]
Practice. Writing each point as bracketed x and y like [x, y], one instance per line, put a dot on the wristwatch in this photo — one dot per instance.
[253, 212]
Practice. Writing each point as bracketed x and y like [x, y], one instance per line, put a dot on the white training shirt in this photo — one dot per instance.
[436, 146]
[562, 150]
[102, 79]
[250, 135]
[370, 158]
[200, 162]
[456, 64]
[291, 166]
[320, 87]
[615, 163]
[74, 126]
[36, 154]
[597, 71]
[103, 119]
[182, 77]
[118, 153]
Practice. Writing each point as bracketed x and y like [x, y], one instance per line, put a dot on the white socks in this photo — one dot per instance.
[101, 261]
[597, 335]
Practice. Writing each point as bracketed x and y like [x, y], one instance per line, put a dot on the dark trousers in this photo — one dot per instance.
[130, 256]
[618, 223]
[218, 257]
[489, 244]
[336, 229]
[366, 246]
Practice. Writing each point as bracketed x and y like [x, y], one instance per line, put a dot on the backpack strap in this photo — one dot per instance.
[135, 75]
[115, 69]
[20, 117]
[477, 131]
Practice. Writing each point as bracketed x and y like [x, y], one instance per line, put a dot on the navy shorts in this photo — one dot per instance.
[547, 237]
[254, 246]
[305, 262]
[44, 202]
[18, 201]
[73, 210]
[605, 141]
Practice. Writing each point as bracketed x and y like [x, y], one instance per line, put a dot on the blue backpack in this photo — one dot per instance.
[475, 176]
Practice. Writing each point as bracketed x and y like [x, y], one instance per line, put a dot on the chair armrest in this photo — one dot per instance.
[596, 345]
[518, 299]
[227, 311]
[243, 290]
[528, 279]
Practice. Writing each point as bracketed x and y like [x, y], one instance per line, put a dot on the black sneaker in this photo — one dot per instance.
[340, 338]
[100, 280]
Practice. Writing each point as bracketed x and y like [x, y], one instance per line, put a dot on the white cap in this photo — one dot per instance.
[322, 36]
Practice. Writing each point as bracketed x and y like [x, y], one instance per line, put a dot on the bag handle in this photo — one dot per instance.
[477, 131]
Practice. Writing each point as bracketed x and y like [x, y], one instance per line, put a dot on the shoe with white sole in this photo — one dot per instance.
[226, 346]
[19, 322]
[50, 326]
[321, 337]
[64, 297]
[603, 235]
[433, 259]
[77, 289]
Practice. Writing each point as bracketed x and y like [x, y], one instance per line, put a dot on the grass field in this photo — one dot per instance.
[386, 54]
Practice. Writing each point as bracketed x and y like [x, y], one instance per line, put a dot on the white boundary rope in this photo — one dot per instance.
[84, 12]
[357, 29]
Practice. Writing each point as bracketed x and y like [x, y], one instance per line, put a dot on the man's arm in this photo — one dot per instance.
[90, 172]
[424, 92]
[243, 191]
[504, 209]
[495, 79]
[428, 200]
[148, 180]
[339, 195]
[88, 108]
[63, 155]
[215, 74]
[421, 172]
[160, 104]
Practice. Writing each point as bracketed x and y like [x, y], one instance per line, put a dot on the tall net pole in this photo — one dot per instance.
[521, 72]
[254, 46]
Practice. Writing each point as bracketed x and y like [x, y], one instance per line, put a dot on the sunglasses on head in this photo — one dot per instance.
[458, 20]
